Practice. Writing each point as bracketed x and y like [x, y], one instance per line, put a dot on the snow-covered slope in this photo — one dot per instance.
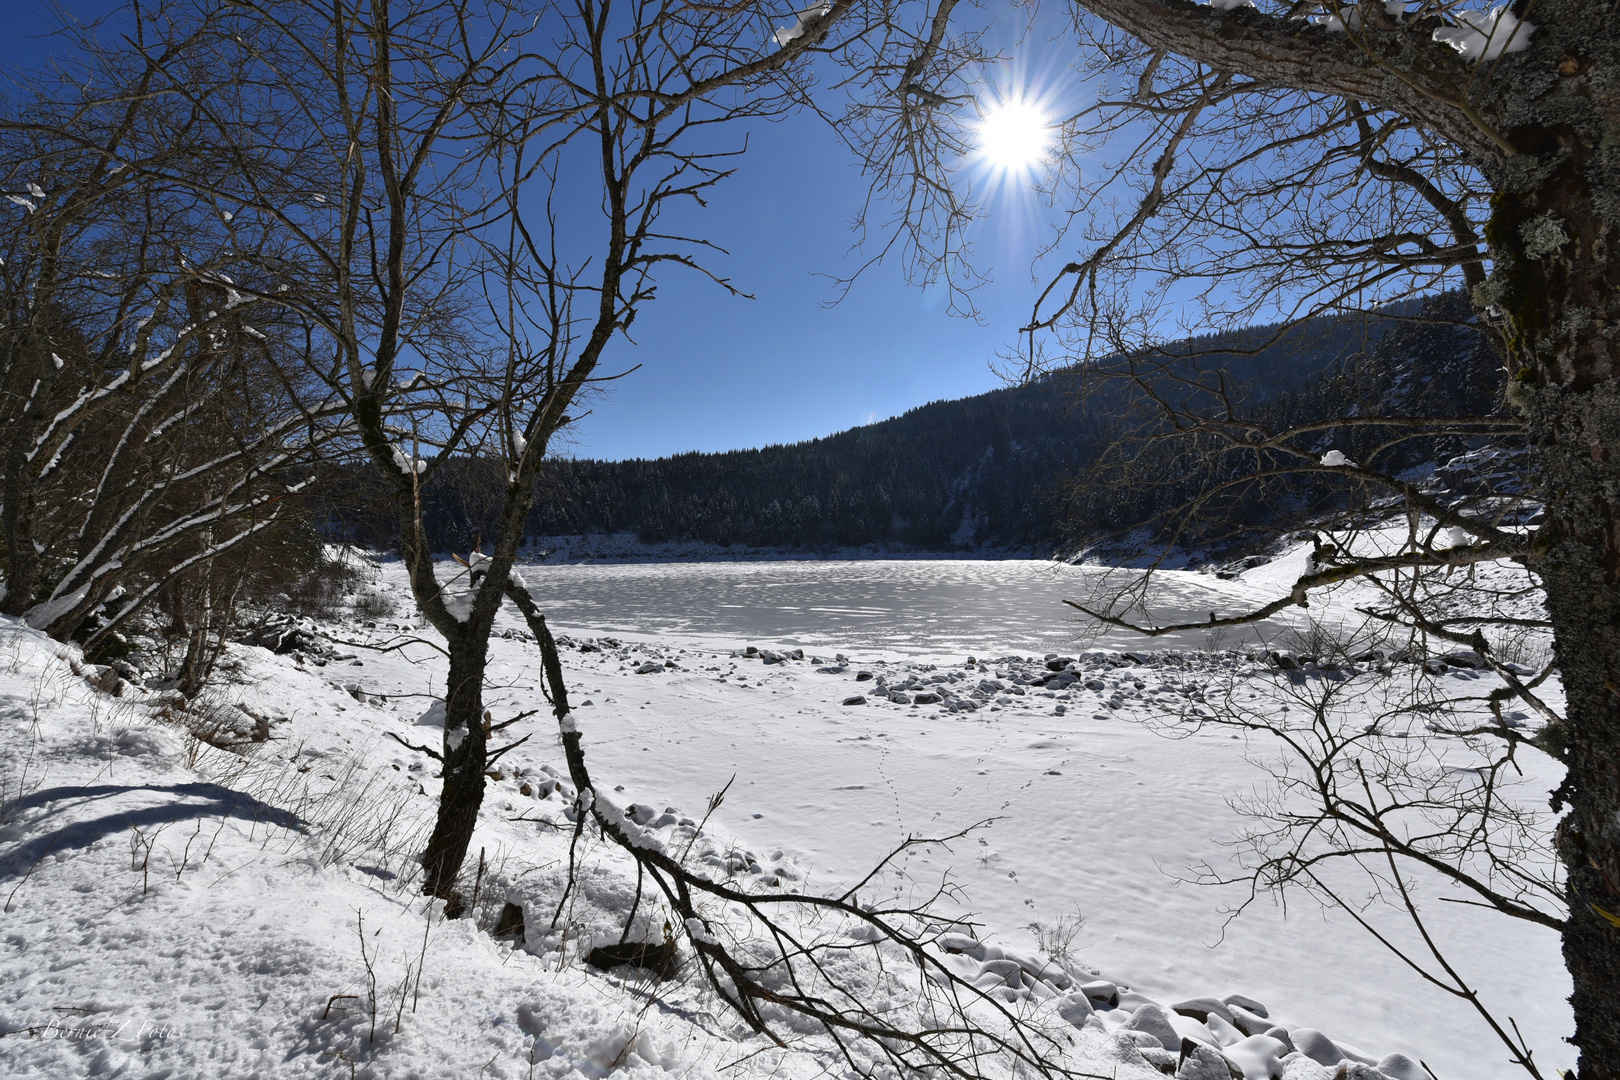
[177, 910]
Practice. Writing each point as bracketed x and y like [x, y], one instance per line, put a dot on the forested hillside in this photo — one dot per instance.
[1005, 470]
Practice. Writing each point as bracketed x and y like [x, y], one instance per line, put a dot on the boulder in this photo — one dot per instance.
[1154, 1019]
[110, 682]
[858, 699]
[1075, 1008]
[1246, 1021]
[1188, 1028]
[1225, 1034]
[1008, 971]
[1259, 1056]
[1199, 1062]
[1401, 1067]
[1163, 1060]
[961, 943]
[1101, 992]
[510, 924]
[1141, 1040]
[1317, 1046]
[1200, 1009]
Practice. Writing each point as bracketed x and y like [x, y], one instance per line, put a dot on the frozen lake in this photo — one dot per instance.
[914, 607]
[1094, 813]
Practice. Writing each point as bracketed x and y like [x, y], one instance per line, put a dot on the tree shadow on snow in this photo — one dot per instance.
[215, 801]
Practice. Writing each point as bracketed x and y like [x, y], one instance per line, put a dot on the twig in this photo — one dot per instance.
[435, 755]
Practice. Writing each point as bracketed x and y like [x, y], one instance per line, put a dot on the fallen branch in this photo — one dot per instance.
[801, 979]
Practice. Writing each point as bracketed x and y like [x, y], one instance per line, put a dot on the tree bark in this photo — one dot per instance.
[1543, 126]
[22, 561]
[1556, 294]
[465, 746]
[17, 495]
[1577, 561]
[1554, 234]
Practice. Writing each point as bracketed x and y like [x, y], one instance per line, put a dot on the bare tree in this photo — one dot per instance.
[405, 174]
[148, 422]
[1294, 159]
[410, 175]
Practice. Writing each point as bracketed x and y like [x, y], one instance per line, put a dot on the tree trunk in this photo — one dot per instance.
[22, 561]
[22, 558]
[465, 745]
[1557, 293]
[1578, 566]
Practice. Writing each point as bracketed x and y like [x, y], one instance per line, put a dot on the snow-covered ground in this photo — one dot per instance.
[162, 915]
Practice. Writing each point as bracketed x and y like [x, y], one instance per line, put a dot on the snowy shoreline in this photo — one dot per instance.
[222, 949]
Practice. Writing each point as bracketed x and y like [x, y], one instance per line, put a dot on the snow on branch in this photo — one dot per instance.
[1486, 35]
[406, 464]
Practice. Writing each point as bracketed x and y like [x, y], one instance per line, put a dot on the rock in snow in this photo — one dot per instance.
[1200, 1008]
[1154, 1019]
[1076, 1009]
[1319, 1048]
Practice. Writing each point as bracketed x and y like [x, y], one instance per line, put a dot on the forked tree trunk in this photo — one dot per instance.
[1556, 247]
[465, 746]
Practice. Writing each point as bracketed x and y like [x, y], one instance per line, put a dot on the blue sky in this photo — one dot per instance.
[719, 372]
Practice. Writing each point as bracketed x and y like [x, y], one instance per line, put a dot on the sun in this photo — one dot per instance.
[1014, 135]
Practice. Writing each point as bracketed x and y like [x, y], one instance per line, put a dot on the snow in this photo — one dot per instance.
[786, 35]
[1486, 35]
[404, 463]
[1335, 458]
[49, 610]
[177, 907]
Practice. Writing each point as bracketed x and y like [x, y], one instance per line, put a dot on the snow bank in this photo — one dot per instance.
[177, 907]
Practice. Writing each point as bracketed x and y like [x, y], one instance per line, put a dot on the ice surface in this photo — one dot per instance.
[915, 607]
